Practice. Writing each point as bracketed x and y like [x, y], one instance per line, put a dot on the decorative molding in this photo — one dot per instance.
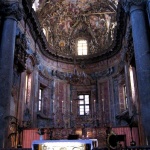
[27, 118]
[128, 48]
[14, 92]
[29, 65]
[45, 73]
[11, 9]
[104, 73]
[58, 74]
[42, 120]
[42, 116]
[20, 52]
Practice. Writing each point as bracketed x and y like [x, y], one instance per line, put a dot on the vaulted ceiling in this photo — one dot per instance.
[66, 21]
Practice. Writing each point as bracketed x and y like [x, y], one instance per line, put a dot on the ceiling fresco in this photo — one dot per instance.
[66, 21]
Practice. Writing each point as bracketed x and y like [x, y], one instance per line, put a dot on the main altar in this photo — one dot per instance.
[86, 144]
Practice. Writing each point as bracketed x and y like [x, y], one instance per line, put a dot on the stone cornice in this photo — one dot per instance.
[11, 9]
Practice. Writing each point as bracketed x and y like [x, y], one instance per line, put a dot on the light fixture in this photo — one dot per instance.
[76, 77]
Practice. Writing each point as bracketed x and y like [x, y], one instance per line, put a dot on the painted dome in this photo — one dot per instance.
[65, 22]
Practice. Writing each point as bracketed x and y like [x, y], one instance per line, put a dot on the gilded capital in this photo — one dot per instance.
[126, 4]
[138, 2]
[11, 9]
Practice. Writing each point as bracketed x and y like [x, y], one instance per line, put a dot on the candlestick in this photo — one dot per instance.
[94, 106]
[62, 107]
[103, 103]
[53, 106]
[71, 106]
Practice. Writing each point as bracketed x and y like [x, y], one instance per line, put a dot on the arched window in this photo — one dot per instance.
[28, 80]
[44, 31]
[28, 88]
[82, 47]
[35, 5]
[40, 99]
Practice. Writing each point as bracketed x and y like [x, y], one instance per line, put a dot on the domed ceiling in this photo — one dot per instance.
[64, 22]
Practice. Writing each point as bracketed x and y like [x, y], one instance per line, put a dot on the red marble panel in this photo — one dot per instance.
[126, 131]
[98, 133]
[29, 136]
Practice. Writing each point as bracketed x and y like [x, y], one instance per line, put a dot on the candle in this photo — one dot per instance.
[53, 106]
[62, 107]
[87, 136]
[94, 106]
[71, 106]
[103, 103]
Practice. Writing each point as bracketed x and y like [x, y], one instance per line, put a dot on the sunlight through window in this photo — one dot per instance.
[82, 47]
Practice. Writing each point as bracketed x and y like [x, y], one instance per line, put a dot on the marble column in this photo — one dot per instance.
[10, 12]
[141, 40]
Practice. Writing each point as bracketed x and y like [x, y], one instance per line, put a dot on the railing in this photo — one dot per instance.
[126, 148]
[15, 148]
[136, 148]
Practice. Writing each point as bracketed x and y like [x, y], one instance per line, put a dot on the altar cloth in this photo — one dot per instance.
[86, 144]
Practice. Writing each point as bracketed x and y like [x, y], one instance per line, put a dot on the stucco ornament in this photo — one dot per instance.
[29, 65]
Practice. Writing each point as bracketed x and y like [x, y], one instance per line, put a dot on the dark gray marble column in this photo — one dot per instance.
[10, 12]
[141, 40]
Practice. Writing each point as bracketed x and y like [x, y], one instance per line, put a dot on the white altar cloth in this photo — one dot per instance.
[86, 144]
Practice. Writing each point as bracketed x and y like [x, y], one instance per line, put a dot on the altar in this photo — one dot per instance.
[86, 144]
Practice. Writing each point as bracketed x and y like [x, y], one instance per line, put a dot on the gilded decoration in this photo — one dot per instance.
[66, 21]
[20, 52]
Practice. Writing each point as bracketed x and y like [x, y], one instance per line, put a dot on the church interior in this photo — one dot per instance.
[75, 70]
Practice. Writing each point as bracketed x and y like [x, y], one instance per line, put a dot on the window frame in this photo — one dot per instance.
[28, 88]
[83, 104]
[125, 96]
[79, 40]
[40, 101]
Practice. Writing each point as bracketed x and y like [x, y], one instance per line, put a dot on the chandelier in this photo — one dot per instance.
[76, 77]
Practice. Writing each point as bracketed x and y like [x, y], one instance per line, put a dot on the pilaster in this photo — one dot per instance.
[10, 12]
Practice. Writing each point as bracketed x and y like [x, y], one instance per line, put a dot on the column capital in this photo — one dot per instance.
[11, 8]
[126, 4]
